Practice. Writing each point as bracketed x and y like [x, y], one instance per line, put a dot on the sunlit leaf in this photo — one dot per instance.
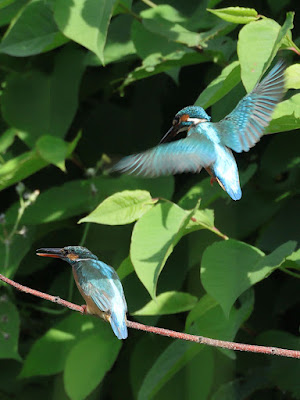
[121, 208]
[85, 22]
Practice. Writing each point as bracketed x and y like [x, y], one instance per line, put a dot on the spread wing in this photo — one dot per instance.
[185, 155]
[243, 127]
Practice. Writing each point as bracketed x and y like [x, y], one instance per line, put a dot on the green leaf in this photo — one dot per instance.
[6, 140]
[161, 228]
[219, 87]
[254, 59]
[48, 354]
[125, 268]
[85, 22]
[149, 44]
[286, 116]
[9, 330]
[88, 362]
[229, 268]
[121, 208]
[292, 77]
[40, 104]
[155, 64]
[33, 31]
[119, 43]
[236, 15]
[9, 9]
[53, 150]
[156, 21]
[168, 303]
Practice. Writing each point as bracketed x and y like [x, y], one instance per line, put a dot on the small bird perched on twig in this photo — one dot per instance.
[98, 284]
[210, 144]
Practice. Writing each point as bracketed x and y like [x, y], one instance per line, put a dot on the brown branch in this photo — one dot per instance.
[161, 331]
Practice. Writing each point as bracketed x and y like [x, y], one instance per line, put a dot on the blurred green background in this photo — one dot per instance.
[87, 82]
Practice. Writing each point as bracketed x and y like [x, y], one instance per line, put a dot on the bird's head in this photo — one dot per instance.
[69, 253]
[188, 116]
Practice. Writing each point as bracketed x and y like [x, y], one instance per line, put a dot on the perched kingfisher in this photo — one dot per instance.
[209, 144]
[98, 284]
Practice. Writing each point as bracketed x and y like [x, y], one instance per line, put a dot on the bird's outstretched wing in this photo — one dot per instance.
[185, 155]
[243, 127]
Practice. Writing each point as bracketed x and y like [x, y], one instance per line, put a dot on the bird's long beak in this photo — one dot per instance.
[50, 252]
[172, 132]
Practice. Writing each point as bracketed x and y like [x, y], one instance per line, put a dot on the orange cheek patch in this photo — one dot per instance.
[184, 117]
[72, 257]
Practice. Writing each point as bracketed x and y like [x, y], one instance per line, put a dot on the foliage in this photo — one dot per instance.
[85, 82]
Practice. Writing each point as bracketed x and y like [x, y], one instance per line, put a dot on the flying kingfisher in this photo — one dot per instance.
[209, 144]
[98, 284]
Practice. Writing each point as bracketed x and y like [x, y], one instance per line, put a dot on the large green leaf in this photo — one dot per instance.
[292, 77]
[53, 150]
[85, 22]
[160, 229]
[32, 32]
[256, 59]
[229, 268]
[9, 330]
[88, 361]
[168, 303]
[121, 208]
[44, 104]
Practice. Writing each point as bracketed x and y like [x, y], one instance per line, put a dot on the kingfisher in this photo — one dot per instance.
[210, 144]
[98, 284]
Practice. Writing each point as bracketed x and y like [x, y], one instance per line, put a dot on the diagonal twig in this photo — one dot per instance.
[161, 331]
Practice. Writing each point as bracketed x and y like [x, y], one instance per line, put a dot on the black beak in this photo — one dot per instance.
[172, 132]
[50, 252]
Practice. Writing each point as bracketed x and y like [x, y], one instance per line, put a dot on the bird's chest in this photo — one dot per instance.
[207, 130]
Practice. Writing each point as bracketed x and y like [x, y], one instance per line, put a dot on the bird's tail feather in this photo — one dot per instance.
[118, 324]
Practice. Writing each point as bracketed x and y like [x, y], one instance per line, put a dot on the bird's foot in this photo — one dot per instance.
[84, 309]
[212, 180]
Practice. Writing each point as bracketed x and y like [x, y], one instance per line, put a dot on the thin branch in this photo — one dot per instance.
[161, 331]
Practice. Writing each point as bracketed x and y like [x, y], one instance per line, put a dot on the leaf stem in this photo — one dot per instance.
[287, 271]
[149, 3]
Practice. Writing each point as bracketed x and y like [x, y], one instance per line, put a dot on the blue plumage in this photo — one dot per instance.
[98, 283]
[209, 144]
